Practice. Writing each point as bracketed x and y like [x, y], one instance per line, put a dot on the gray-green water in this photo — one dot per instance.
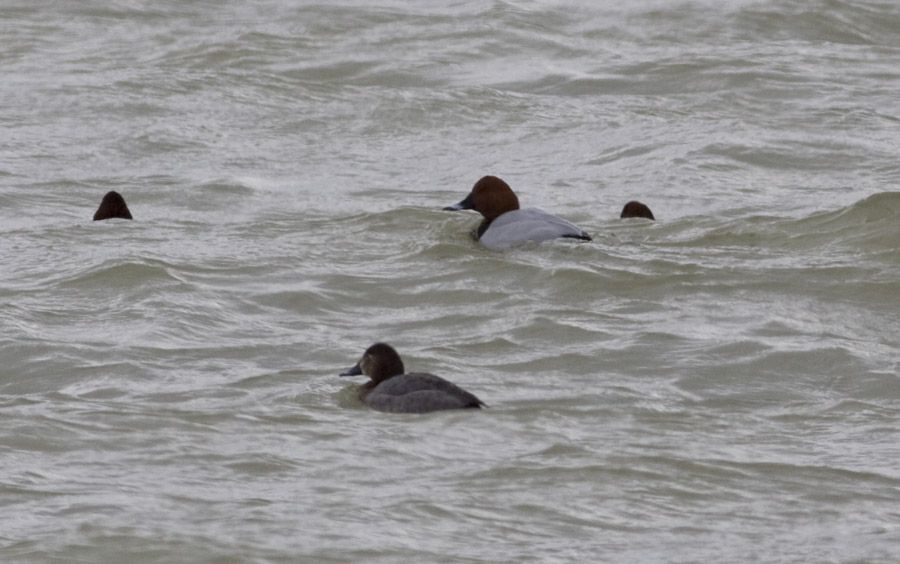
[718, 386]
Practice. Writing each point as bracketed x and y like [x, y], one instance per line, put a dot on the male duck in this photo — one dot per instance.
[505, 225]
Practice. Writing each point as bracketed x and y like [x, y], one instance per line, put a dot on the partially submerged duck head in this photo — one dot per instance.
[636, 209]
[113, 205]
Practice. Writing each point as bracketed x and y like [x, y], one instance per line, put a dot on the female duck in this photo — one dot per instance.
[390, 389]
[505, 225]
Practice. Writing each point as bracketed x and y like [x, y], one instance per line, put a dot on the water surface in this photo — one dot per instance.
[718, 385]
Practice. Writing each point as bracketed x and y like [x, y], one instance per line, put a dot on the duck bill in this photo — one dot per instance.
[355, 371]
[465, 204]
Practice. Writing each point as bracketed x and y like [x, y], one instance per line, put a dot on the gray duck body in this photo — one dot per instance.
[391, 389]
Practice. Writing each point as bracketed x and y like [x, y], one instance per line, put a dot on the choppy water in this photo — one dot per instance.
[721, 385]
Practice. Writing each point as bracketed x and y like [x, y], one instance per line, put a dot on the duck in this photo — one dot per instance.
[505, 225]
[113, 205]
[636, 209]
[392, 390]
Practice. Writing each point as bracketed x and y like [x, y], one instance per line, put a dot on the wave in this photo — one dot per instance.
[123, 273]
[870, 225]
[834, 21]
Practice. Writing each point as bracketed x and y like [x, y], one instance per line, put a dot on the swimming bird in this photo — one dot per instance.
[636, 209]
[504, 224]
[113, 205]
[391, 389]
